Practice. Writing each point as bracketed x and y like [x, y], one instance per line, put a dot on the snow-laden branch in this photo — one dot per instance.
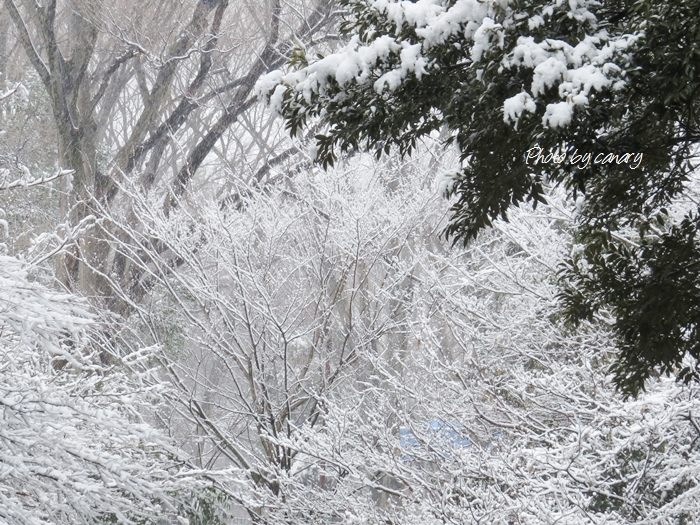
[28, 181]
[399, 41]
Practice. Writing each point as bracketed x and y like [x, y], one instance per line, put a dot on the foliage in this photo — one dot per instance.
[318, 352]
[510, 79]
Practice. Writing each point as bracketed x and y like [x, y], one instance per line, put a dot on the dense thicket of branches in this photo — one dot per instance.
[74, 447]
[323, 328]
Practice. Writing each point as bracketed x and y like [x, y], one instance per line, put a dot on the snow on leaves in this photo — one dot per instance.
[576, 71]
[416, 32]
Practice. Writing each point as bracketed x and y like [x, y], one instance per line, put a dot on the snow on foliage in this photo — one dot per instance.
[73, 446]
[598, 80]
[416, 30]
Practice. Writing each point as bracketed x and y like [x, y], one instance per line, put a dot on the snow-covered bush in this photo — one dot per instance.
[73, 445]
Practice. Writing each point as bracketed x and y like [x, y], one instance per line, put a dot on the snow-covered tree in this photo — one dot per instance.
[149, 93]
[273, 300]
[495, 414]
[321, 354]
[598, 96]
[334, 360]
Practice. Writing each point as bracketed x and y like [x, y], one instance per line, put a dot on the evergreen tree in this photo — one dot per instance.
[600, 97]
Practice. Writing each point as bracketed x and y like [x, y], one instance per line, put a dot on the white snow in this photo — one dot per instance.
[514, 106]
[558, 115]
